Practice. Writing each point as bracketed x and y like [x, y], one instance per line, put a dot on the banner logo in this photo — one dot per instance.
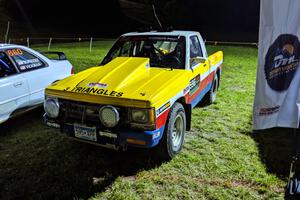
[282, 61]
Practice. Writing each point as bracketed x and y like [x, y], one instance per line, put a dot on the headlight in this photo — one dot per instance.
[109, 116]
[51, 107]
[142, 116]
[139, 115]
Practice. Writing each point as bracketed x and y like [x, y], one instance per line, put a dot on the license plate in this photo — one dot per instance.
[87, 133]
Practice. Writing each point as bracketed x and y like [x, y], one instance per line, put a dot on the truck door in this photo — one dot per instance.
[200, 71]
[14, 88]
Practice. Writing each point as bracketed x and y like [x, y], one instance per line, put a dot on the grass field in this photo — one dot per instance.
[220, 160]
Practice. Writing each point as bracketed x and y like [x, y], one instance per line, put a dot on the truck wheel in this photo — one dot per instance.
[211, 96]
[174, 134]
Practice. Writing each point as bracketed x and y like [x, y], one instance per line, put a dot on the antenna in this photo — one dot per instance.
[155, 15]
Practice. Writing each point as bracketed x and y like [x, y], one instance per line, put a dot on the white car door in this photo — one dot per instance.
[36, 71]
[39, 80]
[14, 88]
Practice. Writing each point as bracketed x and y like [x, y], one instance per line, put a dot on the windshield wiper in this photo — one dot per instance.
[161, 65]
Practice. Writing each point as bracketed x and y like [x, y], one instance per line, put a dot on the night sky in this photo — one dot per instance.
[230, 20]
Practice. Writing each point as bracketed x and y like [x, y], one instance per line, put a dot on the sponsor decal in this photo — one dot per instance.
[282, 61]
[52, 124]
[99, 85]
[268, 111]
[108, 134]
[194, 84]
[26, 62]
[98, 91]
[29, 64]
[186, 90]
[163, 108]
[156, 135]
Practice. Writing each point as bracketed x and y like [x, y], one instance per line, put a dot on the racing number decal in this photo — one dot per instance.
[14, 52]
[194, 84]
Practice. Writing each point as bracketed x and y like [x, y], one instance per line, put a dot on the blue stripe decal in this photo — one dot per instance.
[200, 96]
[151, 138]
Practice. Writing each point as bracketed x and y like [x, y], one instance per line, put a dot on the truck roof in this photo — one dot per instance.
[171, 33]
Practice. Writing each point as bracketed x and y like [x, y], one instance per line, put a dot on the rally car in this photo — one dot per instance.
[24, 75]
[141, 95]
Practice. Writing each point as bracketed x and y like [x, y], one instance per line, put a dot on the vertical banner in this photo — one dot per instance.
[277, 97]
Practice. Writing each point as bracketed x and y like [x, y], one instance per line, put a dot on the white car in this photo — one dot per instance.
[24, 74]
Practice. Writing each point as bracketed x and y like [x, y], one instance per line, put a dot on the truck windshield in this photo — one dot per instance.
[163, 51]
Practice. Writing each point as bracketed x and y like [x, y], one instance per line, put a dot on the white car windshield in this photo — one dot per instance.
[163, 51]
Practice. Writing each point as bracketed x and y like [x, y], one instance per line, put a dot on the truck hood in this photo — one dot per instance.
[122, 78]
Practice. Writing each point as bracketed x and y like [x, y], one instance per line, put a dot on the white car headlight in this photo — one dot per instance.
[109, 116]
[139, 115]
[51, 107]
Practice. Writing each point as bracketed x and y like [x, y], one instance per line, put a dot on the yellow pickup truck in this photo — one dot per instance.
[141, 95]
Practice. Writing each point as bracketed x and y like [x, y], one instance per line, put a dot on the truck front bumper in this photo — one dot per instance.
[122, 138]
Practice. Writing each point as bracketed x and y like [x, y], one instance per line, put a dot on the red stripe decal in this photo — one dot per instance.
[162, 119]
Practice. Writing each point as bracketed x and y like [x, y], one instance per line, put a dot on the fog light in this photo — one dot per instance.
[51, 107]
[109, 116]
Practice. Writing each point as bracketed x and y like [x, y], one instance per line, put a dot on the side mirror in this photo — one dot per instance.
[197, 60]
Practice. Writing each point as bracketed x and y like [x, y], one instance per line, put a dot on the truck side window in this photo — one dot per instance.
[25, 61]
[125, 50]
[6, 66]
[195, 47]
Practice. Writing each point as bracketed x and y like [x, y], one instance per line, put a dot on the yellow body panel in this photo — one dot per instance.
[128, 81]
[216, 58]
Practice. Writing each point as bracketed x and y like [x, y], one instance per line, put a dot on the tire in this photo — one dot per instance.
[211, 96]
[174, 134]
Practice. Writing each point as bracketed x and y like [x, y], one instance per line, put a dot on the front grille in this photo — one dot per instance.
[85, 113]
[80, 112]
